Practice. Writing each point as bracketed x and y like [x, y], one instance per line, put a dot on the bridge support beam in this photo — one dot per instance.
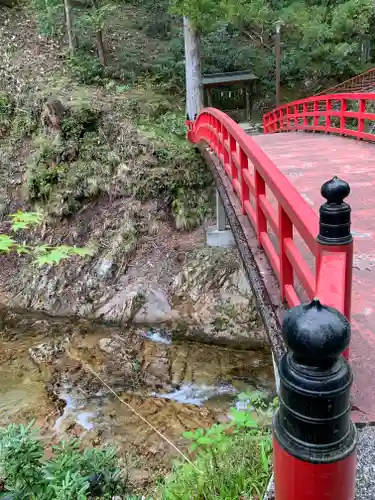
[220, 235]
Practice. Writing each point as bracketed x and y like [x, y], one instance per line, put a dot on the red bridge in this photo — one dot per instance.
[270, 186]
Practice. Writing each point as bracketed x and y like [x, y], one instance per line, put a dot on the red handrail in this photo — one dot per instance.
[350, 114]
[253, 175]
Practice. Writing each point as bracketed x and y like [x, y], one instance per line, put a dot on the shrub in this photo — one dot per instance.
[86, 68]
[231, 460]
[78, 121]
[70, 474]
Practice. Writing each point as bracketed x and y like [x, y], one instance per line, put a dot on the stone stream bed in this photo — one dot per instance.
[46, 374]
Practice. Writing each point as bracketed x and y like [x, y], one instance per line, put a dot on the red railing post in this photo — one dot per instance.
[286, 268]
[260, 189]
[245, 192]
[334, 262]
[314, 439]
[305, 110]
[361, 121]
[316, 113]
[342, 116]
[233, 151]
[328, 114]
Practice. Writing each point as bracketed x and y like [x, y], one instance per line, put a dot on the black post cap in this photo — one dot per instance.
[334, 220]
[315, 333]
[313, 420]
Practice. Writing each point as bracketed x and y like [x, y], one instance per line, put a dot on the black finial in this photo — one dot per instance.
[313, 420]
[335, 190]
[334, 221]
[315, 333]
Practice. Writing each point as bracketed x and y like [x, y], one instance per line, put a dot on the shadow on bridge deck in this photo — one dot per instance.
[308, 160]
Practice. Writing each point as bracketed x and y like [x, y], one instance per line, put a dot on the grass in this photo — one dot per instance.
[230, 461]
[240, 471]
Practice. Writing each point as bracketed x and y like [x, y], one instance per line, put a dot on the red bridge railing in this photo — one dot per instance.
[255, 180]
[350, 114]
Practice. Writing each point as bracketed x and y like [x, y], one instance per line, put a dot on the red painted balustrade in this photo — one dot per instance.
[349, 114]
[278, 214]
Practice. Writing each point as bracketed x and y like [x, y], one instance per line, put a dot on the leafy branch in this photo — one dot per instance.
[43, 254]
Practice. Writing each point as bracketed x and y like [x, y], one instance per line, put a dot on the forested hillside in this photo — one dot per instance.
[96, 175]
[322, 41]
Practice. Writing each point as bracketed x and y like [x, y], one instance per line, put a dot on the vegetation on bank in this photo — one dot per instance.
[229, 461]
[71, 473]
[232, 460]
[95, 152]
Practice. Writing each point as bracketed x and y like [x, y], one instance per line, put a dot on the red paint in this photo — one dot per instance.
[299, 480]
[272, 204]
[332, 113]
[294, 166]
[308, 160]
[335, 261]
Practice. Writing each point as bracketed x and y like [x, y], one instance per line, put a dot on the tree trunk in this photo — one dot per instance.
[100, 47]
[68, 20]
[194, 87]
[99, 35]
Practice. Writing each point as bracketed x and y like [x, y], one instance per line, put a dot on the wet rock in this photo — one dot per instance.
[155, 365]
[109, 345]
[156, 309]
[47, 352]
[215, 302]
[122, 306]
[106, 268]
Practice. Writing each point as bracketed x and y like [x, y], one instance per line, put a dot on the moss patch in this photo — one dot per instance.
[96, 151]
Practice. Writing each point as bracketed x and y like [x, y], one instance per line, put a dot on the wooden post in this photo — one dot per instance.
[209, 97]
[247, 97]
[278, 62]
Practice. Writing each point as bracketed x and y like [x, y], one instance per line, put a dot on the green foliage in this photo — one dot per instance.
[77, 121]
[49, 15]
[43, 254]
[231, 460]
[70, 474]
[6, 112]
[75, 166]
[320, 40]
[86, 68]
[189, 207]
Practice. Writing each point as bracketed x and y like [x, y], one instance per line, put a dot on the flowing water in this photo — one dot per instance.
[46, 375]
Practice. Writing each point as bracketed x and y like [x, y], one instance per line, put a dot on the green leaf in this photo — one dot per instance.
[24, 220]
[6, 243]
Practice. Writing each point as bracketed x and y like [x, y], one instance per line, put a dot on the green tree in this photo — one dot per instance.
[321, 38]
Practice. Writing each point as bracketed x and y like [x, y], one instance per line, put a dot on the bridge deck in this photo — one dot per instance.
[308, 160]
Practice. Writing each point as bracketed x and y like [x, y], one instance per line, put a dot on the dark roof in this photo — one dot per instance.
[227, 78]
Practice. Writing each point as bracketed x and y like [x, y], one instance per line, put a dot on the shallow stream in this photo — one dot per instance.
[47, 376]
